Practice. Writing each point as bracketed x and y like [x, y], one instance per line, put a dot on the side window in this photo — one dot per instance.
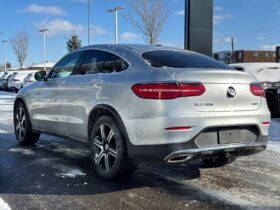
[93, 62]
[66, 66]
[120, 64]
[109, 64]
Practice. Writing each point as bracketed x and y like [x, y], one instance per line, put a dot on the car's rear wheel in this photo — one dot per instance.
[22, 126]
[218, 160]
[108, 150]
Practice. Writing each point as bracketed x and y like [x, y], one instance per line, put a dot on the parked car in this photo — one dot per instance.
[145, 103]
[269, 76]
[29, 79]
[15, 82]
[4, 80]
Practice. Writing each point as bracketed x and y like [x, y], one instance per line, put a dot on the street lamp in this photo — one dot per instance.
[5, 58]
[44, 34]
[115, 10]
[89, 4]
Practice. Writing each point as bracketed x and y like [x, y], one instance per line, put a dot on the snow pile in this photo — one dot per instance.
[22, 151]
[4, 205]
[70, 172]
[6, 117]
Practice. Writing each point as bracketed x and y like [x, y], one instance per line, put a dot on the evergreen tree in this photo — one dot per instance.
[73, 42]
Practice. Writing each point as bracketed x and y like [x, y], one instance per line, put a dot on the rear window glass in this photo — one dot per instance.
[181, 59]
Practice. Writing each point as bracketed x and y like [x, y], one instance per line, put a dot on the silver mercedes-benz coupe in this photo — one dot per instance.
[136, 103]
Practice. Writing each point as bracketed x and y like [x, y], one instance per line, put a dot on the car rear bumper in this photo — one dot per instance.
[184, 151]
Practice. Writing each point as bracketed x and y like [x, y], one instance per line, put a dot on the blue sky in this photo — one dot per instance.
[254, 24]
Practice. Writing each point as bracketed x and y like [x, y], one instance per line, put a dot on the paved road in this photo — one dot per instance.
[56, 174]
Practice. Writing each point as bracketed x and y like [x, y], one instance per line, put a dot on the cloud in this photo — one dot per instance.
[179, 13]
[225, 40]
[98, 30]
[128, 36]
[218, 9]
[50, 10]
[58, 26]
[221, 18]
[271, 47]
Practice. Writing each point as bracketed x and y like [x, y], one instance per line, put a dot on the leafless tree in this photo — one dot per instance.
[148, 16]
[20, 45]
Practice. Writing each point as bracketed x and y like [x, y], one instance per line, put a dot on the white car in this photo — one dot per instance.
[16, 80]
[30, 79]
[268, 74]
[4, 80]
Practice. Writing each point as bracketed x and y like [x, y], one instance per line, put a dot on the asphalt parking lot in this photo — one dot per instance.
[56, 174]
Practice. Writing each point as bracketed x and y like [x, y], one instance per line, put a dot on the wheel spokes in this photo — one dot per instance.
[110, 135]
[102, 132]
[105, 147]
[112, 152]
[106, 160]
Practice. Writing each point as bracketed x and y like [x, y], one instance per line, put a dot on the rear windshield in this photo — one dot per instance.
[181, 59]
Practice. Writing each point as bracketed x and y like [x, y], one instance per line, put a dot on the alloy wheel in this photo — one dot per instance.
[105, 147]
[20, 123]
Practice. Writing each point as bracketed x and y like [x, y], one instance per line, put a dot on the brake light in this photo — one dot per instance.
[30, 81]
[168, 90]
[257, 89]
[15, 80]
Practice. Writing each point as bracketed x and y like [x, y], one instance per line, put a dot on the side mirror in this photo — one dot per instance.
[40, 76]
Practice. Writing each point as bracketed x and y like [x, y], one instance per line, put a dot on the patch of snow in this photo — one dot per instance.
[4, 205]
[22, 151]
[71, 173]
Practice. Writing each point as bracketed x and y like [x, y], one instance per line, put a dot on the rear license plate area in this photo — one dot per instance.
[228, 136]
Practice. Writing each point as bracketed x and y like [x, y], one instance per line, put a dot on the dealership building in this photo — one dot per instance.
[246, 56]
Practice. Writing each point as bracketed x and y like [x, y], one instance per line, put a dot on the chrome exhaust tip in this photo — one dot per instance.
[179, 158]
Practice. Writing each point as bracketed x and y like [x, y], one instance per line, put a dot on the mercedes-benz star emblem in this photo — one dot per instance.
[231, 92]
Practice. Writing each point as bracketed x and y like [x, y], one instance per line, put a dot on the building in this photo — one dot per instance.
[49, 65]
[246, 56]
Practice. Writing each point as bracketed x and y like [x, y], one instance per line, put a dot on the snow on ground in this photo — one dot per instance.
[6, 112]
[22, 151]
[4, 205]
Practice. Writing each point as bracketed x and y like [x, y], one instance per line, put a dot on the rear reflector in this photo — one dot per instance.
[178, 128]
[257, 89]
[168, 90]
[265, 123]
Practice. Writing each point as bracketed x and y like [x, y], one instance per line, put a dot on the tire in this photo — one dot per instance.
[22, 126]
[218, 160]
[108, 150]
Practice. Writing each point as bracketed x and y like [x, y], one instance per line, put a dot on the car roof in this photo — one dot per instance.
[140, 48]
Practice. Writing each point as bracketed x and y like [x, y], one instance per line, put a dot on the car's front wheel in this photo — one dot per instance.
[108, 150]
[22, 126]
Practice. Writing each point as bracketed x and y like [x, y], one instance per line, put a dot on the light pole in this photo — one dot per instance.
[44, 34]
[1, 34]
[5, 58]
[89, 4]
[115, 10]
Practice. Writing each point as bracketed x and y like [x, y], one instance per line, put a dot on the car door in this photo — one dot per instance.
[84, 90]
[48, 112]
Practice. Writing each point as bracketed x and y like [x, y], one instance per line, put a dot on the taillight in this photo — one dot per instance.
[15, 80]
[257, 89]
[168, 90]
